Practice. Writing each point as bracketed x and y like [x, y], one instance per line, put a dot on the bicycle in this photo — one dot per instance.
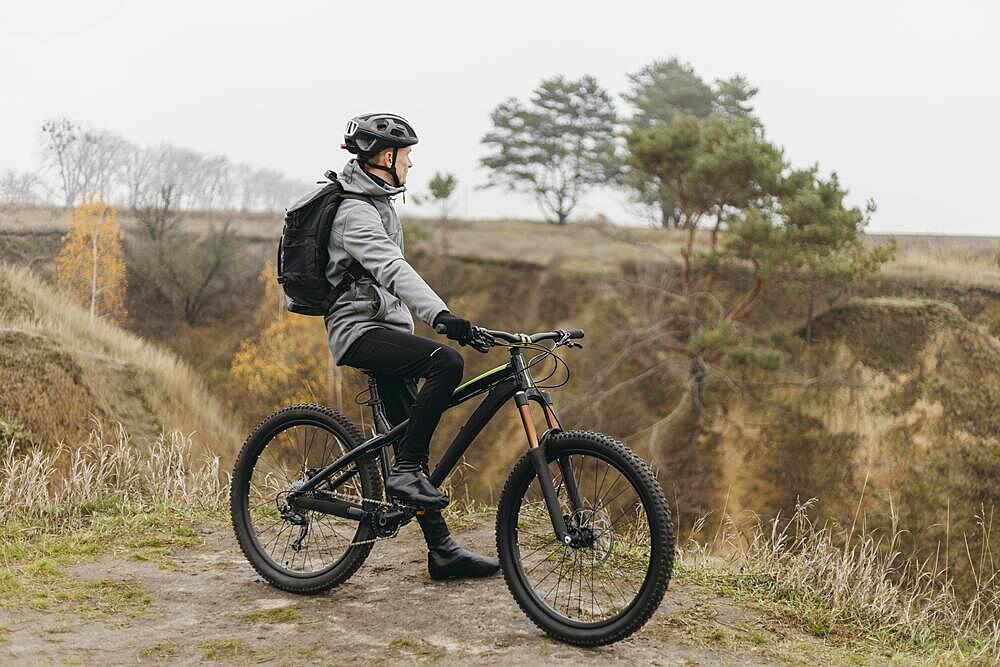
[307, 513]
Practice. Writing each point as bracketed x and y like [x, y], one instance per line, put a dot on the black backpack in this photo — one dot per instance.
[303, 253]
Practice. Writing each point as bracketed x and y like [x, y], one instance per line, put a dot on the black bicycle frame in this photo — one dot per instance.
[512, 380]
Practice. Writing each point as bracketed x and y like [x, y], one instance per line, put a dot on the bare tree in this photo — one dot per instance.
[137, 166]
[20, 187]
[192, 271]
[91, 163]
[84, 161]
[61, 136]
[102, 162]
[158, 217]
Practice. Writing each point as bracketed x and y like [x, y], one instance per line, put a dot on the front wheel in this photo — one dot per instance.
[608, 583]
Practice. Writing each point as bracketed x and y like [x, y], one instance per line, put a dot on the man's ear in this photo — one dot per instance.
[386, 158]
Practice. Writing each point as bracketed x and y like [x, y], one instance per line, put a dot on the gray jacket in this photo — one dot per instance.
[374, 236]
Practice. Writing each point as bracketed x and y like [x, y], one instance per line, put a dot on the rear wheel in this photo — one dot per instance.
[608, 583]
[296, 550]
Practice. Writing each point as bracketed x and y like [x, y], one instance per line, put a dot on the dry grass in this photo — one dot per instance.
[961, 261]
[850, 586]
[587, 247]
[178, 398]
[854, 585]
[66, 506]
[32, 219]
[579, 247]
[45, 219]
[64, 482]
[594, 248]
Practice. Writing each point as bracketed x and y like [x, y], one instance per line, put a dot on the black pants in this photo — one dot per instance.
[399, 360]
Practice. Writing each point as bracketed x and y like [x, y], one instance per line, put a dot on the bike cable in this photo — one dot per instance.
[539, 358]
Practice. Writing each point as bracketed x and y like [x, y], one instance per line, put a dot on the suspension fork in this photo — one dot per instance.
[537, 455]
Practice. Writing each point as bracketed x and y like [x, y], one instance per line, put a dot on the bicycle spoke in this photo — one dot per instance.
[289, 458]
[599, 576]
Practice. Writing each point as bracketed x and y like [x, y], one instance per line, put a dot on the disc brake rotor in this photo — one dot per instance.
[601, 538]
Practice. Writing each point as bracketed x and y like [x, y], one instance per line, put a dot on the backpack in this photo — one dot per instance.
[303, 252]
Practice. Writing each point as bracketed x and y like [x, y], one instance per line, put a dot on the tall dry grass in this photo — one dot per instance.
[180, 397]
[961, 261]
[44, 484]
[855, 583]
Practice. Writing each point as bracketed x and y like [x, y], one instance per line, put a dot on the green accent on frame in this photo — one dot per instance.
[479, 377]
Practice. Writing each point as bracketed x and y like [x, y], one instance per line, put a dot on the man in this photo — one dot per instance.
[370, 326]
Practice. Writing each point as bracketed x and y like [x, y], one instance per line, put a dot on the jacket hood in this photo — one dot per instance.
[355, 180]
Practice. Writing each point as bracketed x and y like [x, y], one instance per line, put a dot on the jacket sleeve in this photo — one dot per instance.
[365, 239]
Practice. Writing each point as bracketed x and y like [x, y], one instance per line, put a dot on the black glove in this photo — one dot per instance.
[455, 327]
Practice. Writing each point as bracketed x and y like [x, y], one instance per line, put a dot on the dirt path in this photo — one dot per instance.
[390, 612]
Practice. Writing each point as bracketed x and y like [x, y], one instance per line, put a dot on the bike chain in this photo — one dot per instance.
[347, 498]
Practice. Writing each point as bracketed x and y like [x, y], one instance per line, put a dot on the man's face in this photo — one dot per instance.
[403, 163]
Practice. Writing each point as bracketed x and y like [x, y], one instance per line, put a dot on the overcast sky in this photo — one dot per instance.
[901, 99]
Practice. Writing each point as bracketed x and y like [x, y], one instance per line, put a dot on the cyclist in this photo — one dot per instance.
[370, 326]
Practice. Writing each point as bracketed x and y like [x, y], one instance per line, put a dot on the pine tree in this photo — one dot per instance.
[555, 146]
[442, 188]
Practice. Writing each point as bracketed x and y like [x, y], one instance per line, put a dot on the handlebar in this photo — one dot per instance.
[558, 334]
[483, 338]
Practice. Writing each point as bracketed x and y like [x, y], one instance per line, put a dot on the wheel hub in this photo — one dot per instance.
[592, 532]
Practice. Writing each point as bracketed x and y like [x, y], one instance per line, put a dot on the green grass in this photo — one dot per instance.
[38, 551]
[167, 649]
[223, 650]
[44, 585]
[810, 613]
[417, 647]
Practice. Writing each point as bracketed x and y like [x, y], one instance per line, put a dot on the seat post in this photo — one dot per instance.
[379, 418]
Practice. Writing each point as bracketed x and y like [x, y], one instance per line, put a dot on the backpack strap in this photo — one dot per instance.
[355, 269]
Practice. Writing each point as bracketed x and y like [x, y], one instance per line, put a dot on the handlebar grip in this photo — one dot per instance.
[575, 333]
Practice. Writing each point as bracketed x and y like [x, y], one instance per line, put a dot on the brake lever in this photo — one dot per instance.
[566, 340]
[482, 341]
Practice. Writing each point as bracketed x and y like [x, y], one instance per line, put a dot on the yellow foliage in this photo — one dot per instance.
[287, 363]
[272, 306]
[90, 266]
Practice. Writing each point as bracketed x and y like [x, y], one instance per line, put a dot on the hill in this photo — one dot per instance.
[61, 371]
[889, 418]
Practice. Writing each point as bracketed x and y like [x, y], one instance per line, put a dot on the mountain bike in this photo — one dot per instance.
[583, 531]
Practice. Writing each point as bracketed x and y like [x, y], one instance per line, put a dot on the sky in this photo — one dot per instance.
[899, 98]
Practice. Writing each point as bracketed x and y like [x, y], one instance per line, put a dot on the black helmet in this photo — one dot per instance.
[368, 134]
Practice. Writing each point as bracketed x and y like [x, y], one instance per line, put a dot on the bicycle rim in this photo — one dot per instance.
[293, 452]
[591, 586]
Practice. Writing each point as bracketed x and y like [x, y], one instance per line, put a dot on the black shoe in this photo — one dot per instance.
[449, 560]
[409, 483]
